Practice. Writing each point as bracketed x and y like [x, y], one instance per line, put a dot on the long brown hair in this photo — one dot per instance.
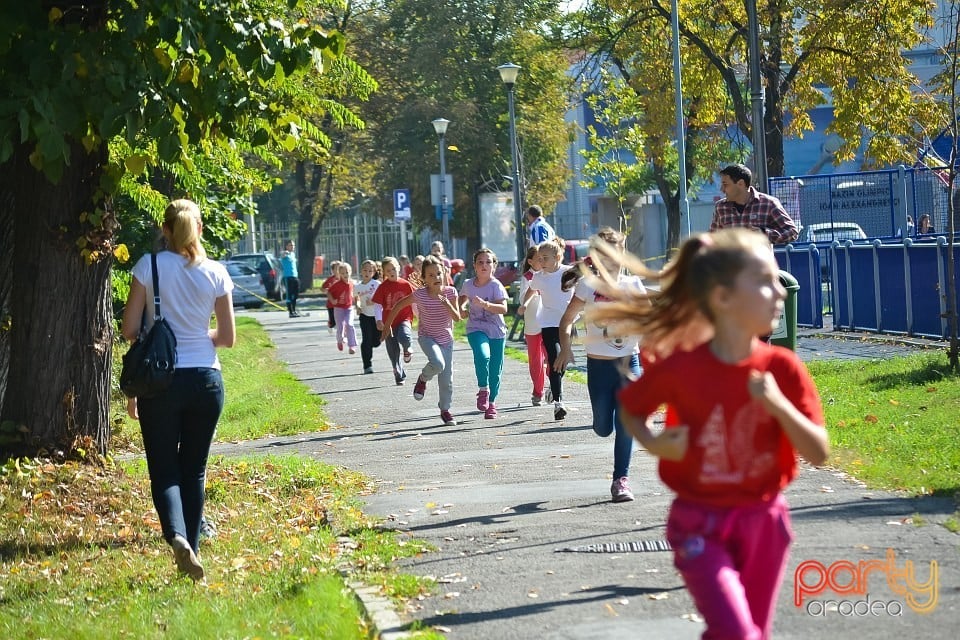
[678, 315]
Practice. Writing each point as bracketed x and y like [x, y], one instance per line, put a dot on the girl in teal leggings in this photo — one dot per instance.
[486, 299]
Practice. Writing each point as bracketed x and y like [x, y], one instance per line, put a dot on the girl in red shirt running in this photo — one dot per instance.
[340, 293]
[740, 411]
[392, 290]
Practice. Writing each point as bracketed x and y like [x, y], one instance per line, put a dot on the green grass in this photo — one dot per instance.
[81, 554]
[893, 422]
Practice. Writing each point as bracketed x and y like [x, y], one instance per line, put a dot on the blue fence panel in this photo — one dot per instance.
[925, 290]
[863, 286]
[893, 289]
[803, 263]
[840, 288]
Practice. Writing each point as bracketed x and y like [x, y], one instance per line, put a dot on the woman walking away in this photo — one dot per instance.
[553, 302]
[741, 411]
[392, 290]
[536, 355]
[341, 292]
[437, 302]
[486, 330]
[612, 359]
[369, 336]
[178, 424]
[334, 276]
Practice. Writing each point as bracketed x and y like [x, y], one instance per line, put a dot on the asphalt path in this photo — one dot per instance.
[528, 544]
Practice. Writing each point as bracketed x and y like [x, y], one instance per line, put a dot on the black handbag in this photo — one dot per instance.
[149, 364]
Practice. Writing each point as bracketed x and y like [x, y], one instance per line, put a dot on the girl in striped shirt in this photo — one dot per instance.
[437, 305]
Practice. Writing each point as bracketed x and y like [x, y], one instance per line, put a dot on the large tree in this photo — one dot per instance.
[842, 52]
[438, 60]
[174, 77]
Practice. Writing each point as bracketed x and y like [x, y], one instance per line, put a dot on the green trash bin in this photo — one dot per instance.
[785, 334]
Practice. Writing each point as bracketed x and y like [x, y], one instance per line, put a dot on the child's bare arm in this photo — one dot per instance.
[670, 444]
[807, 437]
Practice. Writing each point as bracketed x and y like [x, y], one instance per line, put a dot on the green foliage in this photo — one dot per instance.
[174, 72]
[437, 60]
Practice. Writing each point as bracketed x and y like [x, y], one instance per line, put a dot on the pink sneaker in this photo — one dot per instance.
[448, 419]
[353, 350]
[491, 412]
[482, 396]
[620, 490]
[420, 388]
[340, 346]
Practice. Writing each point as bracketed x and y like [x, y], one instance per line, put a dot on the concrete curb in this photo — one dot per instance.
[384, 622]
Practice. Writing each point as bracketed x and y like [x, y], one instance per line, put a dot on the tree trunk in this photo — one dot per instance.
[6, 285]
[61, 324]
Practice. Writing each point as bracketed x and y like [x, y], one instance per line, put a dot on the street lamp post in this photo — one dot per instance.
[440, 126]
[508, 74]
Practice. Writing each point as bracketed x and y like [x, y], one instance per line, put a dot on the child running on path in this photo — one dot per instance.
[743, 409]
[612, 359]
[392, 290]
[341, 292]
[486, 330]
[369, 335]
[553, 302]
[334, 276]
[437, 303]
[536, 356]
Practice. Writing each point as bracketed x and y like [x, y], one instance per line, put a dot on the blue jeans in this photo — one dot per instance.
[487, 360]
[177, 428]
[604, 380]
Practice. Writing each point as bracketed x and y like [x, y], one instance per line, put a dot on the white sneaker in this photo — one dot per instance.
[559, 412]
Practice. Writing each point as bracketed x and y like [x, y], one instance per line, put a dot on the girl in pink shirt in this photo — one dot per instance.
[742, 410]
[438, 310]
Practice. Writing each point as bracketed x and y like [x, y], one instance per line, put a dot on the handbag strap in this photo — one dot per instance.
[156, 288]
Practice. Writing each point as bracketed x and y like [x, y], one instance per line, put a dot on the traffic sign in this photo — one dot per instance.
[401, 204]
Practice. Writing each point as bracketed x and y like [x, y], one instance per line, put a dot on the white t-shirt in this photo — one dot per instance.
[364, 292]
[597, 341]
[187, 297]
[553, 301]
[530, 325]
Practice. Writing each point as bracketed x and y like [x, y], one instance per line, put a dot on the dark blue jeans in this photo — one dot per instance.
[605, 378]
[177, 428]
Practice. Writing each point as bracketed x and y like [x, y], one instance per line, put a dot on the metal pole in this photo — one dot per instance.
[403, 237]
[517, 205]
[756, 100]
[443, 196]
[681, 137]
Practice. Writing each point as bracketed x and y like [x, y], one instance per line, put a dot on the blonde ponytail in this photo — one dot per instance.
[181, 228]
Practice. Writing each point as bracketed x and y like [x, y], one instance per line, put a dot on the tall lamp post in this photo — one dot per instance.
[508, 73]
[440, 126]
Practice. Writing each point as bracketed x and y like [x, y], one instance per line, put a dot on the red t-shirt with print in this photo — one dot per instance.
[326, 287]
[388, 294]
[341, 294]
[737, 452]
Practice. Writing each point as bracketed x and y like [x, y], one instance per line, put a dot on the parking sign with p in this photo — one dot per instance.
[401, 204]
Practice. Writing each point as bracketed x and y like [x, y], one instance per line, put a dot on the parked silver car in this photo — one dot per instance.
[248, 289]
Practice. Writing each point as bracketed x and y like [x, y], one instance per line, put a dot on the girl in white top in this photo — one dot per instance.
[553, 302]
[178, 424]
[612, 360]
[536, 356]
[363, 292]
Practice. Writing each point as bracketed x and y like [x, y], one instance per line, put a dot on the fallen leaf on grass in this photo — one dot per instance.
[872, 419]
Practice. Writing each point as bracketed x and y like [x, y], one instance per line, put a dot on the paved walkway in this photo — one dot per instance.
[515, 505]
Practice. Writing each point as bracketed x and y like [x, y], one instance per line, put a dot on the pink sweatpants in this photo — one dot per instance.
[732, 561]
[536, 361]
